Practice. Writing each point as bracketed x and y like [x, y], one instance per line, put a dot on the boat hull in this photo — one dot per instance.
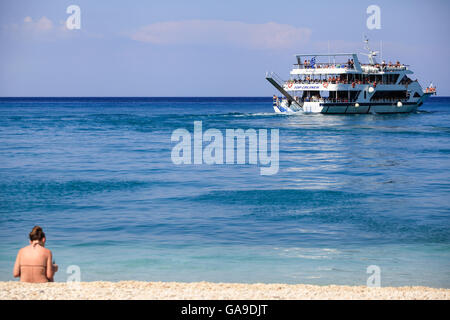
[342, 108]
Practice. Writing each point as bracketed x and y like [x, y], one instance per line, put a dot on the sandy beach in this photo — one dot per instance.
[205, 290]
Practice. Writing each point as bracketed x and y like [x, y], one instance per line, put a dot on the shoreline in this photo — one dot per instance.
[141, 290]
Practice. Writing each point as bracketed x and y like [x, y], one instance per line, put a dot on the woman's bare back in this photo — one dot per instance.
[32, 264]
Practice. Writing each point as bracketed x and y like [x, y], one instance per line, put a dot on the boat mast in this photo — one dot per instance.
[381, 50]
[372, 54]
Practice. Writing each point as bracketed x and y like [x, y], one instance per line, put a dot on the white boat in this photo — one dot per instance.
[348, 86]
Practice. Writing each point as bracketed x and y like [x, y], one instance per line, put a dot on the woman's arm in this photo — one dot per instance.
[50, 272]
[16, 270]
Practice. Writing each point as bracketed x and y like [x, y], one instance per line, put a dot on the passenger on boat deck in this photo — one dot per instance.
[350, 63]
[34, 262]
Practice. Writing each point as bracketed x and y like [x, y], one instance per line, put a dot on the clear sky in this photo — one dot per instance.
[203, 47]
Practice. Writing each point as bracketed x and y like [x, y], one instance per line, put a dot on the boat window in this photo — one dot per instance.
[381, 96]
[395, 78]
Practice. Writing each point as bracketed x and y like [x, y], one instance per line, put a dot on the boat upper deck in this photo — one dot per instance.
[352, 65]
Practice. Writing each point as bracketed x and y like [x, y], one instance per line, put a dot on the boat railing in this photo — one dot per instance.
[380, 68]
[356, 82]
[366, 67]
[354, 100]
[327, 100]
[276, 77]
[321, 65]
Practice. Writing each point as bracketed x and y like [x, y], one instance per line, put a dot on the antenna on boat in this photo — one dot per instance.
[372, 54]
[329, 59]
[381, 50]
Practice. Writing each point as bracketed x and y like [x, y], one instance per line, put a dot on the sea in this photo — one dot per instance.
[355, 198]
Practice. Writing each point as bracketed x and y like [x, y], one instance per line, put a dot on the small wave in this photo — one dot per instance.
[44, 189]
[291, 197]
[258, 114]
[309, 253]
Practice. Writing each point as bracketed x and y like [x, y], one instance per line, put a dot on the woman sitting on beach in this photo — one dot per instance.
[34, 262]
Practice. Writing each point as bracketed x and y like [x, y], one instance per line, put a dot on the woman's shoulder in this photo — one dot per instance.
[40, 248]
[46, 251]
[22, 250]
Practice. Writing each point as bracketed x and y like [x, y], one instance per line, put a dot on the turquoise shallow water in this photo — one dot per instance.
[352, 191]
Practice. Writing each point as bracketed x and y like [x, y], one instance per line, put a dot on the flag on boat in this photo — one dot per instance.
[313, 62]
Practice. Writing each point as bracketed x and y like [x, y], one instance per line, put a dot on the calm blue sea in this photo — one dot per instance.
[352, 191]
